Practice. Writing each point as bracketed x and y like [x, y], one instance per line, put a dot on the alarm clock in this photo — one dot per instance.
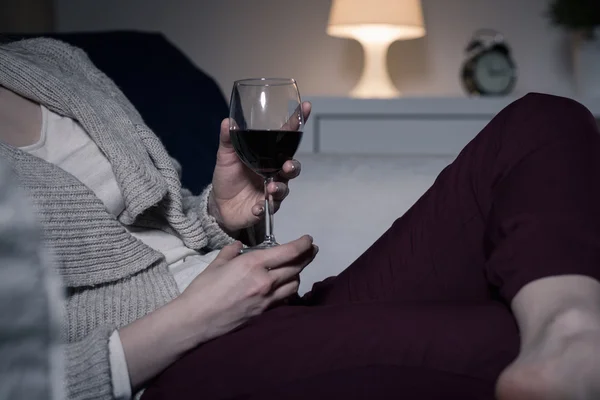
[489, 69]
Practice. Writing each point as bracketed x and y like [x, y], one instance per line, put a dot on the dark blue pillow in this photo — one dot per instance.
[180, 103]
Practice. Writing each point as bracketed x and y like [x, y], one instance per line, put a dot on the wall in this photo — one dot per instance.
[26, 16]
[231, 39]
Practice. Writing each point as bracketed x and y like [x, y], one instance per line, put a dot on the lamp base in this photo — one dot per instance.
[368, 89]
[375, 81]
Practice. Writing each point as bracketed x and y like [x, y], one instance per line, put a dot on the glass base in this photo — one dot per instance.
[267, 244]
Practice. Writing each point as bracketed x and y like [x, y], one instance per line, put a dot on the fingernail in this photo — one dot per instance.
[261, 210]
[311, 238]
[316, 248]
[293, 167]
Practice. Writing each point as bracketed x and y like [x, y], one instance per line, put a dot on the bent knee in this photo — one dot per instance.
[547, 103]
[548, 115]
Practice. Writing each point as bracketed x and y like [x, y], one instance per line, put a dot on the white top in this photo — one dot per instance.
[65, 143]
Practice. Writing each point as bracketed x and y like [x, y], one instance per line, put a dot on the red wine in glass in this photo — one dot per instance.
[265, 124]
[264, 151]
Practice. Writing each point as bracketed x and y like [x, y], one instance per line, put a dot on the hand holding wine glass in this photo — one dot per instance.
[265, 124]
[237, 199]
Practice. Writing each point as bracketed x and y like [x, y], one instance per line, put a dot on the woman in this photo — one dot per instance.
[512, 221]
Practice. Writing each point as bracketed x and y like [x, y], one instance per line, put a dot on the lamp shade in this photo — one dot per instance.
[402, 19]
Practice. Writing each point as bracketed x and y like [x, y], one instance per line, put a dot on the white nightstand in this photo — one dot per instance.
[404, 126]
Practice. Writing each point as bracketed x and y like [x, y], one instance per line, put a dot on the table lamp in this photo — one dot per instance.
[376, 24]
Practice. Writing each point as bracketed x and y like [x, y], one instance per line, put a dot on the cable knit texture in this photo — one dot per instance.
[112, 278]
[29, 327]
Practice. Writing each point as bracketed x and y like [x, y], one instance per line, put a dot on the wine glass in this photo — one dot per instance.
[265, 124]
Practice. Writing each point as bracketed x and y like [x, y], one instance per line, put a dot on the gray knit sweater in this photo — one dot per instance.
[112, 279]
[30, 357]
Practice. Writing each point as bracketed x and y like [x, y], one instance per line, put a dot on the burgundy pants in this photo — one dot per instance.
[423, 314]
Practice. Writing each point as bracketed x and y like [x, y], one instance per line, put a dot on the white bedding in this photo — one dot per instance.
[346, 202]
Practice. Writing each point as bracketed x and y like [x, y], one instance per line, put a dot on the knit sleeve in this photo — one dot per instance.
[30, 355]
[88, 374]
[217, 237]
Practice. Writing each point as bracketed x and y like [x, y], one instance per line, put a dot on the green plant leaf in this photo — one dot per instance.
[575, 15]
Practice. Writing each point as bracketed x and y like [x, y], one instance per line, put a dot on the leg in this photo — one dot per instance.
[351, 351]
[433, 252]
[559, 318]
[441, 248]
[543, 243]
[531, 181]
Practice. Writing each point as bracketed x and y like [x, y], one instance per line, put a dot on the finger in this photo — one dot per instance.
[284, 291]
[284, 274]
[298, 117]
[290, 170]
[295, 120]
[306, 109]
[224, 136]
[227, 254]
[284, 254]
[279, 190]
[259, 209]
[276, 207]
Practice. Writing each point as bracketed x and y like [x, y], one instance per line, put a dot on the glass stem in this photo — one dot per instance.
[269, 208]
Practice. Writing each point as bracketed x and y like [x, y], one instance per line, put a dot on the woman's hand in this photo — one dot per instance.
[234, 288]
[237, 198]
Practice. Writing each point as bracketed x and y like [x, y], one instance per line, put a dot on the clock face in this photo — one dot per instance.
[494, 72]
